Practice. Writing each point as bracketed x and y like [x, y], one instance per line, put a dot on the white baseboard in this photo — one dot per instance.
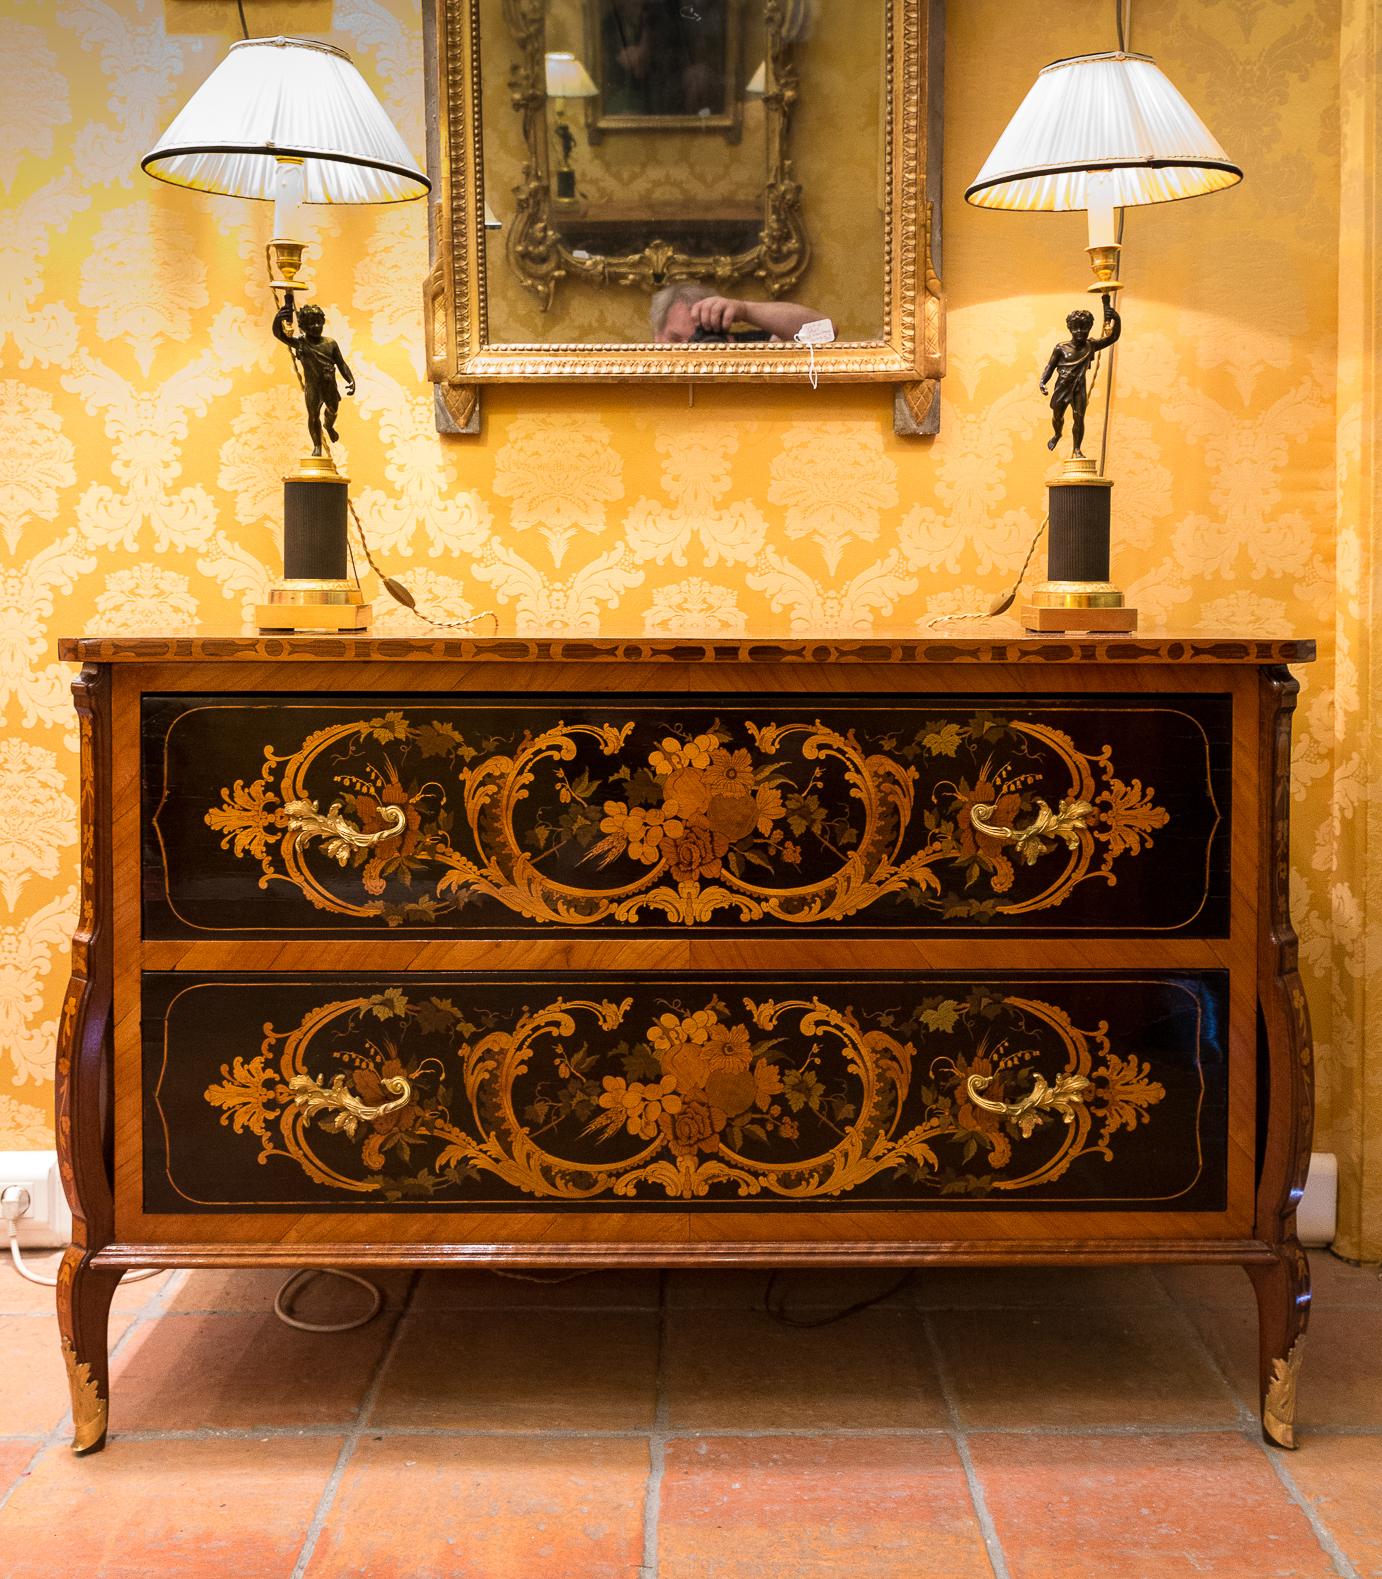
[49, 1222]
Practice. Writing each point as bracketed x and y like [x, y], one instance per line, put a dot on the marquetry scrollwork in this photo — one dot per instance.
[409, 1095]
[966, 817]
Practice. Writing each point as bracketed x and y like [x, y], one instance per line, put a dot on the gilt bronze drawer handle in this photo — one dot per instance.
[1049, 825]
[1061, 1098]
[341, 836]
[348, 1112]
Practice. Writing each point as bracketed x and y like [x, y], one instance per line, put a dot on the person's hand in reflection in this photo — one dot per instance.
[635, 58]
[718, 314]
[691, 311]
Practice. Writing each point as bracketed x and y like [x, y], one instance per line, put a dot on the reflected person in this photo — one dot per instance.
[691, 312]
[662, 57]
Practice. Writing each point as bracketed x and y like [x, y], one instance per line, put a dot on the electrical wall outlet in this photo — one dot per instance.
[1317, 1214]
[47, 1225]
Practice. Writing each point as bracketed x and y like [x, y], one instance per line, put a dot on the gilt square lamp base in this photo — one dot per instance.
[334, 619]
[1036, 617]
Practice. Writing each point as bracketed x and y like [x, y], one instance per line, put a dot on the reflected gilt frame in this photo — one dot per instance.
[910, 354]
[537, 249]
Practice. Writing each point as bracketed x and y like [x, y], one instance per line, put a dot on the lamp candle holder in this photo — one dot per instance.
[1104, 261]
[284, 259]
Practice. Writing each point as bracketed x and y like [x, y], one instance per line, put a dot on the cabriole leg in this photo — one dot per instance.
[84, 1295]
[1282, 1287]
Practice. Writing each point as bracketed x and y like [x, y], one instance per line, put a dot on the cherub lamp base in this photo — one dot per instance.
[317, 592]
[1077, 594]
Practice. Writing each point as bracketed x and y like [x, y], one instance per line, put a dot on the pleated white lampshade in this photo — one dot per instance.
[287, 98]
[1114, 113]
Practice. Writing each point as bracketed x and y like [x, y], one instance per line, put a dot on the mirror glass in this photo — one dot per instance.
[733, 148]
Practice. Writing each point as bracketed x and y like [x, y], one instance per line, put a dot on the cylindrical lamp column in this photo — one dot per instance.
[1077, 593]
[318, 591]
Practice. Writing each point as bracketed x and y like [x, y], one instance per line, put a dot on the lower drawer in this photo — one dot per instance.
[564, 1092]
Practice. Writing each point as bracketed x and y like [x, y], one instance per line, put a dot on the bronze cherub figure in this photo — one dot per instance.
[1070, 361]
[318, 358]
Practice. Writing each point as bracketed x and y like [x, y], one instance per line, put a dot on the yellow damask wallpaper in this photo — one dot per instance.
[147, 416]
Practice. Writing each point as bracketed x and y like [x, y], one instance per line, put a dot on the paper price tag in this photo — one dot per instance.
[821, 332]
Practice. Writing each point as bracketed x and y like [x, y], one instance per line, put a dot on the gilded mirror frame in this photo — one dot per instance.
[910, 353]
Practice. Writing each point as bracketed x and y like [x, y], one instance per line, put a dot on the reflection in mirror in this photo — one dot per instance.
[673, 67]
[734, 146]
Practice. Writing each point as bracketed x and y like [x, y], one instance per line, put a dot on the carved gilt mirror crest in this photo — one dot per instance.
[609, 174]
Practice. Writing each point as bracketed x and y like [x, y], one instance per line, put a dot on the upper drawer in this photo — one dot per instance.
[497, 816]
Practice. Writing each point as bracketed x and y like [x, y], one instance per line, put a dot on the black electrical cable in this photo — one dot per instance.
[778, 1311]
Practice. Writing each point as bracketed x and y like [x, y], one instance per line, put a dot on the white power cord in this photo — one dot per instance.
[24, 1272]
[14, 1204]
[28, 1273]
[291, 1286]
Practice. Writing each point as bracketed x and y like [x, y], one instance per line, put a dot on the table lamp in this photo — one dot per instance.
[1102, 133]
[291, 121]
[567, 78]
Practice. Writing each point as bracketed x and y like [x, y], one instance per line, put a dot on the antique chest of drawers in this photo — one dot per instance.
[597, 952]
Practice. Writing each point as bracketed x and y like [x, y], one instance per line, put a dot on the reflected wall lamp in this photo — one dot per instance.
[566, 78]
[1101, 133]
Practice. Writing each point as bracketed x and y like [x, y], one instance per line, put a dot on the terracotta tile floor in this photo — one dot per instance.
[1039, 1425]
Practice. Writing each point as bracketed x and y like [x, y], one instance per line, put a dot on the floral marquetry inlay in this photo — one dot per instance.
[914, 813]
[470, 1090]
